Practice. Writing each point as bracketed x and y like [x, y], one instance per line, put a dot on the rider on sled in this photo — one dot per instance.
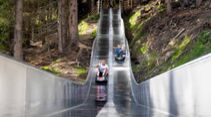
[119, 53]
[102, 69]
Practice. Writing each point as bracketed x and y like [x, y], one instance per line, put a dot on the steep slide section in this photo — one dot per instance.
[182, 91]
[123, 103]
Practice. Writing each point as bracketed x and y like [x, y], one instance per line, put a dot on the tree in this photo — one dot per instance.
[73, 22]
[18, 52]
[168, 3]
[91, 5]
[62, 30]
[198, 3]
[6, 24]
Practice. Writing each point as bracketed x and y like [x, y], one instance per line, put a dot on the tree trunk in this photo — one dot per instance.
[99, 5]
[18, 52]
[168, 3]
[198, 3]
[184, 3]
[62, 30]
[73, 22]
[92, 5]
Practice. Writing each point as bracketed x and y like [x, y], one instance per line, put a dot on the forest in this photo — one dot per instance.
[57, 35]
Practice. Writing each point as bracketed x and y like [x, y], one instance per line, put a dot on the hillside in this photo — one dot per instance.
[164, 41]
[72, 65]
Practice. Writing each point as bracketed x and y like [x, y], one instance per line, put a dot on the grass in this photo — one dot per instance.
[133, 18]
[93, 18]
[161, 7]
[51, 70]
[201, 47]
[185, 51]
[180, 49]
[80, 71]
[144, 49]
[94, 33]
[83, 27]
[86, 24]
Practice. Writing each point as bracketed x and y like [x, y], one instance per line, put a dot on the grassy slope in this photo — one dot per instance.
[159, 45]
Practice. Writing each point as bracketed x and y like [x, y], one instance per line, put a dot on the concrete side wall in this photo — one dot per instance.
[183, 91]
[30, 92]
[12, 88]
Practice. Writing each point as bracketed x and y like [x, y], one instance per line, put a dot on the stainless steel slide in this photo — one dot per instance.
[28, 92]
[182, 91]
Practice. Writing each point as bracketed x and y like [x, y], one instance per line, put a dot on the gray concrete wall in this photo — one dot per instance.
[12, 88]
[183, 91]
[27, 91]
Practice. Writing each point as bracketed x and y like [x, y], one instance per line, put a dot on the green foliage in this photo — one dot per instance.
[199, 48]
[86, 26]
[94, 34]
[83, 27]
[180, 49]
[161, 7]
[93, 18]
[81, 71]
[144, 49]
[133, 18]
[51, 70]
[6, 20]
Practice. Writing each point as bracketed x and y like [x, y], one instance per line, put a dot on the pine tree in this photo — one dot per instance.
[73, 22]
[62, 30]
[18, 52]
[168, 3]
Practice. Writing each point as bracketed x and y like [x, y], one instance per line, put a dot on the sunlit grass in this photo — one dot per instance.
[133, 18]
[80, 71]
[94, 33]
[144, 49]
[201, 47]
[51, 70]
[83, 27]
[180, 49]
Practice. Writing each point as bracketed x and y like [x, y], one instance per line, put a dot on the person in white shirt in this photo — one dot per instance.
[102, 68]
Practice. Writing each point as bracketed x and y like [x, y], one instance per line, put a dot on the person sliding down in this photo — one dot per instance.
[118, 51]
[102, 69]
